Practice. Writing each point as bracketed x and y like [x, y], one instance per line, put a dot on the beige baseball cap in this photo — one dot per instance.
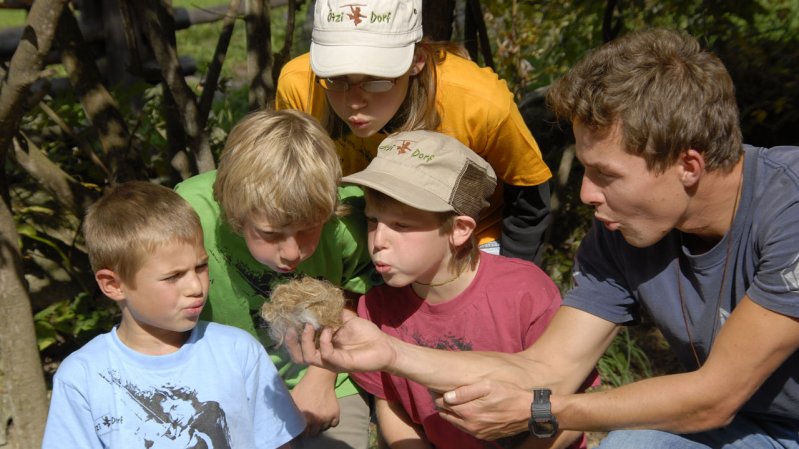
[429, 171]
[369, 37]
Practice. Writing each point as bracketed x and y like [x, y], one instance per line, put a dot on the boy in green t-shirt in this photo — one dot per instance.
[274, 208]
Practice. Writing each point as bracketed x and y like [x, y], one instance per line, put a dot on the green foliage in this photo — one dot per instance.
[12, 18]
[536, 41]
[624, 361]
[77, 320]
[63, 322]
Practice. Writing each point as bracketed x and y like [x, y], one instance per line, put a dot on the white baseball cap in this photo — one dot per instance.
[369, 37]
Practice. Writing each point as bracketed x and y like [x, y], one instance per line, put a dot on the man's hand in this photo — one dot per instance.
[487, 409]
[315, 397]
[358, 345]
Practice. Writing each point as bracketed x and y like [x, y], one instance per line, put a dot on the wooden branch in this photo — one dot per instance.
[66, 190]
[476, 12]
[259, 54]
[100, 107]
[26, 66]
[215, 68]
[158, 26]
[610, 29]
[285, 52]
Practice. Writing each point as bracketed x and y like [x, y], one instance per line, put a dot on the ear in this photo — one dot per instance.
[110, 284]
[417, 65]
[462, 230]
[692, 165]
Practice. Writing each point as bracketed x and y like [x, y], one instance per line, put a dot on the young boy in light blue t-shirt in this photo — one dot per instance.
[162, 378]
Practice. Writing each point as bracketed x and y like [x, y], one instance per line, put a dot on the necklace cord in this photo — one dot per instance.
[683, 306]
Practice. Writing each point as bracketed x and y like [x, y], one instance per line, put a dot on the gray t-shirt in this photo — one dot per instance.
[760, 256]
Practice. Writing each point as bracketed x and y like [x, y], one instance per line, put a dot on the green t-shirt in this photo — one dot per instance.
[240, 284]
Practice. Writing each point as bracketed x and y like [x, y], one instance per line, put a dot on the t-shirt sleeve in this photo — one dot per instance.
[599, 284]
[292, 91]
[70, 422]
[776, 283]
[276, 418]
[517, 158]
[545, 294]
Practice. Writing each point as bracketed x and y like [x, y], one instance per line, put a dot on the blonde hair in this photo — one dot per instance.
[418, 111]
[466, 255]
[131, 221]
[280, 166]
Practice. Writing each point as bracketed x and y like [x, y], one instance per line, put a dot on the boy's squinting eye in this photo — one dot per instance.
[270, 236]
[173, 277]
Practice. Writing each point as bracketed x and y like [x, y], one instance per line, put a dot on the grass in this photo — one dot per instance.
[199, 41]
[12, 18]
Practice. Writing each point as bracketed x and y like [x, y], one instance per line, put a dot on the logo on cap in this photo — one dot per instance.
[356, 14]
[406, 145]
[357, 17]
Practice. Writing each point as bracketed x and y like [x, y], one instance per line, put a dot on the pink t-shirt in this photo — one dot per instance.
[506, 308]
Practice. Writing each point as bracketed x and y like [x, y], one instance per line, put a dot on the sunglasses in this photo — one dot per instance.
[371, 86]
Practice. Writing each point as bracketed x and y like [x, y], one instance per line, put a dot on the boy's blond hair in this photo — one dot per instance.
[466, 255]
[280, 166]
[131, 221]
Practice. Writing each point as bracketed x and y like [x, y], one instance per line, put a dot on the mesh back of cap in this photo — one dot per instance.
[471, 190]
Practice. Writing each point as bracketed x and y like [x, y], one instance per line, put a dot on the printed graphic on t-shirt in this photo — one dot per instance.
[790, 275]
[447, 342]
[169, 416]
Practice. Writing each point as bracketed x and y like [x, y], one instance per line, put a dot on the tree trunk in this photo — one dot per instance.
[100, 107]
[259, 53]
[215, 68]
[23, 394]
[159, 28]
[282, 57]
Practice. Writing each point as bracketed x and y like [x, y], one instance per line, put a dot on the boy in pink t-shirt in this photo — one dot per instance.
[424, 193]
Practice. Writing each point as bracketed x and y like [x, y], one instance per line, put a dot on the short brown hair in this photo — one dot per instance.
[280, 166]
[667, 94]
[132, 220]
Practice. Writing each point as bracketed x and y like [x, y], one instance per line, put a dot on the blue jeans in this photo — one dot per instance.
[741, 433]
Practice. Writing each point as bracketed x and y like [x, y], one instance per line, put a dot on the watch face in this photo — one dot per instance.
[544, 428]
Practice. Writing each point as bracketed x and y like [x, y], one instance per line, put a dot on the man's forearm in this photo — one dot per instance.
[442, 371]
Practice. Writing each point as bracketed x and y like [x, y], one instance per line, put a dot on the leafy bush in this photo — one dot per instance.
[75, 320]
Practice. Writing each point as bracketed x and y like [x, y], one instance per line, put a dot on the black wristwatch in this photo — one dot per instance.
[542, 423]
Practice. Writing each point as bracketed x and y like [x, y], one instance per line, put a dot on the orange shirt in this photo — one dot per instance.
[476, 108]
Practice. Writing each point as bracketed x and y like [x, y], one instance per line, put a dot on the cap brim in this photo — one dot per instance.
[328, 61]
[399, 189]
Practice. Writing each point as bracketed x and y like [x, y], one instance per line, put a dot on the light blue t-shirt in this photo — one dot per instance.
[219, 390]
[758, 257]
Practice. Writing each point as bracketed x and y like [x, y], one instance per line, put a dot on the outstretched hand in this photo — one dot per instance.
[488, 409]
[358, 345]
